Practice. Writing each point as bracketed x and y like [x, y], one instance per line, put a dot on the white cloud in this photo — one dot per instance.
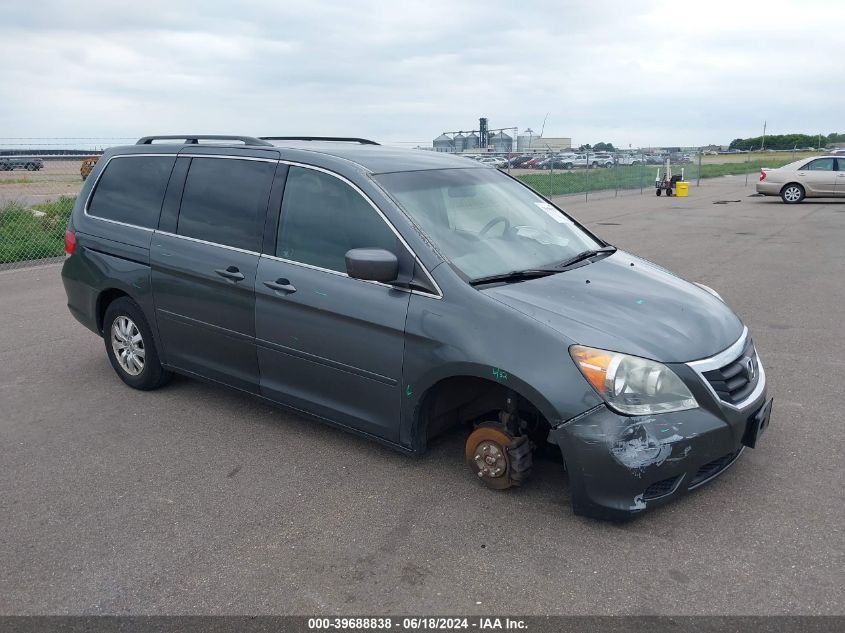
[644, 73]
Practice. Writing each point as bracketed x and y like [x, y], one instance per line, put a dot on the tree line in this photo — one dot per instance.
[788, 141]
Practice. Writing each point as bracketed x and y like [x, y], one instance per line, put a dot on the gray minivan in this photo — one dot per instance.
[399, 293]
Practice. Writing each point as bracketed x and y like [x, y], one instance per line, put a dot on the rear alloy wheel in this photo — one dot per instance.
[497, 458]
[130, 346]
[792, 194]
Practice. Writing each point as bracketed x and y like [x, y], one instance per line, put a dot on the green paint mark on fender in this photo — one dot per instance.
[639, 302]
[409, 391]
[498, 374]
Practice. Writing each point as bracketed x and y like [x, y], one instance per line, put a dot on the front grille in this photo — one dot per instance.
[661, 488]
[711, 469]
[734, 382]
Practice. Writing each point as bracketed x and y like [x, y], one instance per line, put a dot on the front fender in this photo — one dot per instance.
[475, 336]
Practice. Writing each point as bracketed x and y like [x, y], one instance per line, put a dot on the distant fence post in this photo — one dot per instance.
[698, 180]
[641, 170]
[587, 179]
[747, 158]
[616, 174]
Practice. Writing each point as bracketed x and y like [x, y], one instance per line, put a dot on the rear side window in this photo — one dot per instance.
[131, 189]
[323, 217]
[225, 201]
[820, 164]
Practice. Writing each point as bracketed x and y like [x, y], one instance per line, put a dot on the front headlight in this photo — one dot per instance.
[632, 385]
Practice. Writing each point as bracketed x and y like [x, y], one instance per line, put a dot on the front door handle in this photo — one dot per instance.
[281, 285]
[232, 273]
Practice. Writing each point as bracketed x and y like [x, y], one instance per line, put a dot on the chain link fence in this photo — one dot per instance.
[35, 205]
[561, 174]
[39, 183]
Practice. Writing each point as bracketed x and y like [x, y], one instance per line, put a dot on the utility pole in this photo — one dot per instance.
[763, 146]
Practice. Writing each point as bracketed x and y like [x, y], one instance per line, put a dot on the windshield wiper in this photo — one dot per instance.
[580, 257]
[534, 273]
[515, 275]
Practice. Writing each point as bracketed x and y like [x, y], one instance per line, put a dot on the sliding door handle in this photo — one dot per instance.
[231, 273]
[281, 285]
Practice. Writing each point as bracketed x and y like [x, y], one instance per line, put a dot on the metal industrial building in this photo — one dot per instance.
[498, 140]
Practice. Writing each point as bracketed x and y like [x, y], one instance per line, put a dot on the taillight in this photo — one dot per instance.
[762, 175]
[70, 242]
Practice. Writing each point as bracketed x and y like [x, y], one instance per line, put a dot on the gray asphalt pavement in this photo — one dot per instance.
[195, 499]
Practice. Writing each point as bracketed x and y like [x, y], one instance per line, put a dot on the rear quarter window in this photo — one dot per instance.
[131, 190]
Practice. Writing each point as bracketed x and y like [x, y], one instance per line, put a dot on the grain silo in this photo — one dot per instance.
[501, 142]
[443, 143]
[471, 141]
[459, 141]
[526, 140]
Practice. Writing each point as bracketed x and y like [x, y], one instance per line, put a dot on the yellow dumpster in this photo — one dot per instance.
[681, 189]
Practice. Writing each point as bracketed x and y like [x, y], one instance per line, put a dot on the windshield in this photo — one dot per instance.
[484, 222]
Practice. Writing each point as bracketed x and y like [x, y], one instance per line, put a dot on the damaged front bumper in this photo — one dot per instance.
[619, 466]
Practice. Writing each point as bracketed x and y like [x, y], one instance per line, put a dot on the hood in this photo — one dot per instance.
[642, 310]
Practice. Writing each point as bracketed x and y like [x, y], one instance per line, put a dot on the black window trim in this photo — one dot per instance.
[97, 182]
[356, 188]
[290, 163]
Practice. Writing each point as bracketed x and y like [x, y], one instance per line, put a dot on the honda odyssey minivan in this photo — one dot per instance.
[398, 294]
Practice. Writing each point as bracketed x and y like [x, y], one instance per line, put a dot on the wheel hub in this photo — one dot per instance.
[490, 459]
[128, 345]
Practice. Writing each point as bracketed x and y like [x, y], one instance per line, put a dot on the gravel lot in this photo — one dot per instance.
[195, 499]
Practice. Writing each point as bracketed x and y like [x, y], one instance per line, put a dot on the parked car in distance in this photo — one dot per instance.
[30, 163]
[559, 161]
[493, 161]
[87, 166]
[629, 159]
[399, 294]
[590, 160]
[818, 177]
[601, 159]
[519, 161]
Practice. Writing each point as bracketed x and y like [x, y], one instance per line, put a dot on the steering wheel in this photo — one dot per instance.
[494, 222]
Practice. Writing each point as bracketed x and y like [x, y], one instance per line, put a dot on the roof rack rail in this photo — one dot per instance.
[345, 139]
[193, 139]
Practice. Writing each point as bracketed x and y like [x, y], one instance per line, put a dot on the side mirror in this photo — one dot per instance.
[372, 264]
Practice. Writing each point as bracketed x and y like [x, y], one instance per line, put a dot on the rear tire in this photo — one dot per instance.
[792, 193]
[658, 192]
[130, 346]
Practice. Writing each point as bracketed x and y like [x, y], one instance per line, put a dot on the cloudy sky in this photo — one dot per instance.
[630, 72]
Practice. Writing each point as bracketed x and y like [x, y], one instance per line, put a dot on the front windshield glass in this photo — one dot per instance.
[484, 222]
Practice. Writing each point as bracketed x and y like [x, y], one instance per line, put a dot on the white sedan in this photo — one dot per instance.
[820, 177]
